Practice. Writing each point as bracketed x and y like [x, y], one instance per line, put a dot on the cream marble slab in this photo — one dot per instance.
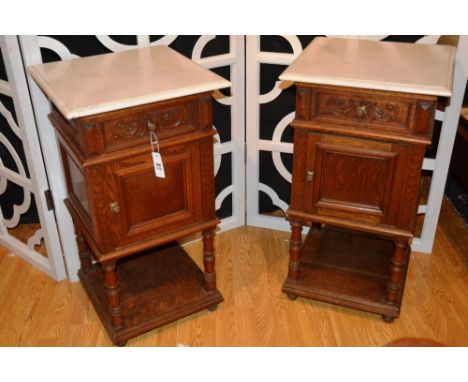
[402, 67]
[97, 84]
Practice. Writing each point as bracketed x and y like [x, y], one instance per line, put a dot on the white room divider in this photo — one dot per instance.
[30, 177]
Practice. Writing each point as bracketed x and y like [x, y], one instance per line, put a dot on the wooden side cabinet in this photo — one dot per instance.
[126, 218]
[358, 155]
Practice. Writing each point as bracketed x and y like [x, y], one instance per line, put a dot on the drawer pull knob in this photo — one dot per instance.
[361, 111]
[151, 125]
[310, 176]
[114, 207]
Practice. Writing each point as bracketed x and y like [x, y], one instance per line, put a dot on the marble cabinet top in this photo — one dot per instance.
[90, 85]
[402, 67]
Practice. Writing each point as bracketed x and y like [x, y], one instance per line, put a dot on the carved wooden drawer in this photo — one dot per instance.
[118, 130]
[166, 120]
[369, 109]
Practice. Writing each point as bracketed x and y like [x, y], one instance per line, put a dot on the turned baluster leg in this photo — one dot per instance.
[84, 252]
[394, 283]
[113, 294]
[209, 261]
[295, 249]
[209, 276]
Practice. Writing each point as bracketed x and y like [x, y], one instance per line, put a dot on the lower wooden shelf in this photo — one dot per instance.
[346, 268]
[156, 288]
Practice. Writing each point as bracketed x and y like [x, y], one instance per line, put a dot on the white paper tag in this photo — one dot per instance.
[158, 165]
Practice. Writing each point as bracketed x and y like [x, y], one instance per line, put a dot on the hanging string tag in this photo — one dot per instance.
[157, 158]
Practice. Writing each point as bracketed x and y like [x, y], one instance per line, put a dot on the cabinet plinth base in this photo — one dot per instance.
[346, 268]
[156, 287]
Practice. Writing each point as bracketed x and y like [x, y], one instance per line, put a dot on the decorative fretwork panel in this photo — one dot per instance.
[27, 227]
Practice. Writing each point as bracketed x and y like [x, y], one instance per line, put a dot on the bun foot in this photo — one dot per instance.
[213, 308]
[121, 343]
[292, 297]
[388, 319]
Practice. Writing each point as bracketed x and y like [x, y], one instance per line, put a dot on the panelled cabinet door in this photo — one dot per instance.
[141, 205]
[356, 179]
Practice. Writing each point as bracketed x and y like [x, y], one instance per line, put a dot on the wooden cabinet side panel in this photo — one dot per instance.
[424, 118]
[303, 103]
[410, 194]
[101, 191]
[206, 177]
[299, 165]
[92, 136]
[205, 112]
[401, 151]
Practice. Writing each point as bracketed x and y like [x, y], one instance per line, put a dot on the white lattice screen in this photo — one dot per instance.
[22, 171]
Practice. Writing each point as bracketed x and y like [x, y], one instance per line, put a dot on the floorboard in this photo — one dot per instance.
[251, 266]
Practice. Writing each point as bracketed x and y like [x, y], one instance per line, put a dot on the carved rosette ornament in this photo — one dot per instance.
[123, 130]
[170, 118]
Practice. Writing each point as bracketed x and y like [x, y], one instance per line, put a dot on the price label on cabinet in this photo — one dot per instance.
[158, 165]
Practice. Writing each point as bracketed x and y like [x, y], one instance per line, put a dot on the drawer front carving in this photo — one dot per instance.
[133, 130]
[360, 108]
[365, 113]
[127, 129]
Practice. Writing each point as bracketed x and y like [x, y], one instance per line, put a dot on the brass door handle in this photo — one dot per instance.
[310, 176]
[114, 207]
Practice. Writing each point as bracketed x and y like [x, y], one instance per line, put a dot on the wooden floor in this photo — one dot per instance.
[251, 266]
